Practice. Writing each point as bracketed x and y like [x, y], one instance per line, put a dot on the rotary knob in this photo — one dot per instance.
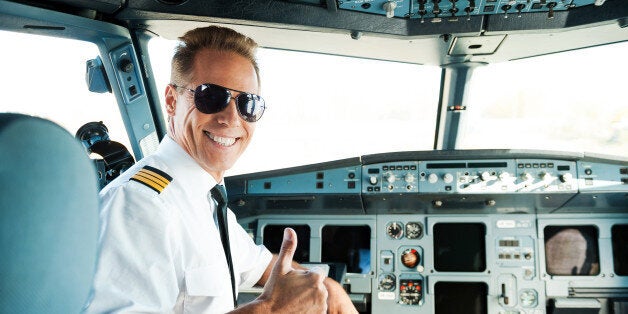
[448, 178]
[504, 176]
[546, 177]
[566, 177]
[373, 180]
[432, 178]
[526, 177]
[126, 65]
[485, 176]
[390, 177]
[409, 177]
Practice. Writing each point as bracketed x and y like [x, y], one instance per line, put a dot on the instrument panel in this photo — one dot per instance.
[454, 232]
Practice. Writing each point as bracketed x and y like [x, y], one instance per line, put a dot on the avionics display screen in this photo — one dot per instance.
[461, 297]
[620, 249]
[350, 245]
[459, 247]
[571, 250]
[273, 237]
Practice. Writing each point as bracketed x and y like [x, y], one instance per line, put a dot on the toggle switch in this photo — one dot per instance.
[390, 7]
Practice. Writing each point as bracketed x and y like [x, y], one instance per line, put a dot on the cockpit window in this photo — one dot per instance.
[573, 101]
[323, 107]
[45, 77]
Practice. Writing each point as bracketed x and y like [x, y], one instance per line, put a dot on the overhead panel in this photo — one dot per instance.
[435, 10]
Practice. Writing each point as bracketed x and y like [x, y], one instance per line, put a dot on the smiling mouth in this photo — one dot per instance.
[223, 141]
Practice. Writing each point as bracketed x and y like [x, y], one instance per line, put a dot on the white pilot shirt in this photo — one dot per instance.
[160, 249]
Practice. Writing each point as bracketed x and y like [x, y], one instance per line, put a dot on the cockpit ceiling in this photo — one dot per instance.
[432, 50]
[349, 28]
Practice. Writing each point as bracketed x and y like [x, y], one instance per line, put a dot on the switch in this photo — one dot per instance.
[390, 7]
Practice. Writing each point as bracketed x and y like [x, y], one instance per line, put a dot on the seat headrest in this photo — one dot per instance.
[48, 217]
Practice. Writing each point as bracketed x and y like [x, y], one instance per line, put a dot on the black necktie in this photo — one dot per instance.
[220, 195]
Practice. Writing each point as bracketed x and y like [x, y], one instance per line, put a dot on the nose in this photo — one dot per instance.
[230, 116]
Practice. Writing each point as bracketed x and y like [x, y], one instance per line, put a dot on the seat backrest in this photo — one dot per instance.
[48, 217]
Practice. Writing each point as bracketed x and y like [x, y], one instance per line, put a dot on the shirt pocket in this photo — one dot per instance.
[210, 281]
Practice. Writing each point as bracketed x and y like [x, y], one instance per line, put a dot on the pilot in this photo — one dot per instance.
[161, 248]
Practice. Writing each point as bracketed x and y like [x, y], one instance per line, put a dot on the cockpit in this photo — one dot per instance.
[435, 156]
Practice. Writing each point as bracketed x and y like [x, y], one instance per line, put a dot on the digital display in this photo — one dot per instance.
[461, 297]
[620, 249]
[571, 250]
[350, 245]
[459, 247]
[273, 237]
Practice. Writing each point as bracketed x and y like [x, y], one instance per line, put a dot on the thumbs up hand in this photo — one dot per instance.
[290, 290]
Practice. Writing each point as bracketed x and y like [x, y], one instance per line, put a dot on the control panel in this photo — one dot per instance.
[436, 10]
[475, 176]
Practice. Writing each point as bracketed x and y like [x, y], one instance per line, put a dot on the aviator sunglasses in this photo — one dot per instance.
[212, 98]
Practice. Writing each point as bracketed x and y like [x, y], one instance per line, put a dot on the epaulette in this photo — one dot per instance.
[152, 178]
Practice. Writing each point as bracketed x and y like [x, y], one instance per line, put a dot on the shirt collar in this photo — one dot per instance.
[183, 167]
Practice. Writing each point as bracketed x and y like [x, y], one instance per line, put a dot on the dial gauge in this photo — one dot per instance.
[394, 230]
[410, 291]
[387, 282]
[413, 230]
[410, 258]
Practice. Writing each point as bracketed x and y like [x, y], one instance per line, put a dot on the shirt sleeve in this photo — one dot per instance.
[251, 259]
[135, 271]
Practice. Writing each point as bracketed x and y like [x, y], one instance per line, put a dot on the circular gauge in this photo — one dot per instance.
[410, 258]
[528, 298]
[413, 230]
[387, 282]
[394, 230]
[410, 292]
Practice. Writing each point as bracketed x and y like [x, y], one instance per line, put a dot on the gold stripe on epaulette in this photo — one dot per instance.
[152, 178]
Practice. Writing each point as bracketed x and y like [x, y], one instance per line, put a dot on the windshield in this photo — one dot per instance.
[572, 101]
[323, 107]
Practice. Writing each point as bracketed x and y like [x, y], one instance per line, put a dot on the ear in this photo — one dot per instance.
[171, 99]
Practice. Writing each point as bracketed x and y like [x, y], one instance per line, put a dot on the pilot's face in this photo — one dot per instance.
[215, 140]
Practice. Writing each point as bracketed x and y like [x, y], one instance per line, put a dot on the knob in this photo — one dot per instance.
[126, 65]
[546, 176]
[448, 178]
[390, 177]
[485, 176]
[432, 178]
[409, 177]
[566, 177]
[390, 7]
[526, 177]
[373, 180]
[504, 176]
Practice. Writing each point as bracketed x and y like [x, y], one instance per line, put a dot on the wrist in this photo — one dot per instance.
[256, 306]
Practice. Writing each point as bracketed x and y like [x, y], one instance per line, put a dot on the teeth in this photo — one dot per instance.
[224, 141]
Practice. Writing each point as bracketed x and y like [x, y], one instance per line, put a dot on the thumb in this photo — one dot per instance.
[288, 247]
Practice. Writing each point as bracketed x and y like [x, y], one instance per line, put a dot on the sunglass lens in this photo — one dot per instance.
[211, 98]
[251, 107]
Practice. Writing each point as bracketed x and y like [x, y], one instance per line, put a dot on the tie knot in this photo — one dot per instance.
[219, 194]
